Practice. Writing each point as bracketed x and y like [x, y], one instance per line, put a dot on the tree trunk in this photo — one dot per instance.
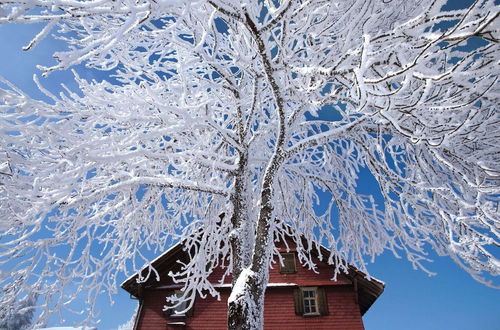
[246, 303]
[240, 256]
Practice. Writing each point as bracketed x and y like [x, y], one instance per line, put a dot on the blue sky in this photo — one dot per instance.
[412, 299]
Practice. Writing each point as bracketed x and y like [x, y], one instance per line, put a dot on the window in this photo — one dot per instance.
[310, 301]
[179, 311]
[288, 266]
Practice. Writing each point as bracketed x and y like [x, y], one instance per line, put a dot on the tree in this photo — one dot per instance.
[16, 314]
[255, 111]
[129, 325]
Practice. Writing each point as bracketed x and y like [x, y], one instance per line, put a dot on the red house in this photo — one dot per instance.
[296, 297]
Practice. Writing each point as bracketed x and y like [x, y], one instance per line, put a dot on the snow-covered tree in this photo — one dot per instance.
[258, 110]
[129, 325]
[16, 314]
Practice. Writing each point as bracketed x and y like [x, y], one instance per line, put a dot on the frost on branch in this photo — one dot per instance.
[227, 124]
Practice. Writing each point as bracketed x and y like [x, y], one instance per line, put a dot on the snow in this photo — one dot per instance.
[240, 289]
[271, 285]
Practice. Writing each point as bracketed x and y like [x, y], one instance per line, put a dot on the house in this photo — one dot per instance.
[296, 297]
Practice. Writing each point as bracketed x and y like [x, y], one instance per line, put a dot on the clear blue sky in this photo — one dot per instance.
[412, 299]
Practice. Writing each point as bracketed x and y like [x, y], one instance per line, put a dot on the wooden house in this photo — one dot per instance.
[296, 297]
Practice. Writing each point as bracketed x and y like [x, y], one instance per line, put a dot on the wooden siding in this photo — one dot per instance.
[279, 312]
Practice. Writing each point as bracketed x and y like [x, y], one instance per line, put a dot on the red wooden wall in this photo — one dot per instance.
[279, 311]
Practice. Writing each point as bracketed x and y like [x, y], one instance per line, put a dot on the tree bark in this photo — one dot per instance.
[236, 238]
[246, 308]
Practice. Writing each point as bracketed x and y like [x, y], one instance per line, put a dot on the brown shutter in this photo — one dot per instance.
[299, 303]
[190, 312]
[169, 311]
[322, 301]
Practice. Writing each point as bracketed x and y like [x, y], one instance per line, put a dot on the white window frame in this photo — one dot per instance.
[315, 299]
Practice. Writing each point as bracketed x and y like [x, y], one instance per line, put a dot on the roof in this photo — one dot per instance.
[368, 288]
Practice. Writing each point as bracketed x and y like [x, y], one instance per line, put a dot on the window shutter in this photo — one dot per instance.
[299, 304]
[168, 312]
[190, 312]
[322, 301]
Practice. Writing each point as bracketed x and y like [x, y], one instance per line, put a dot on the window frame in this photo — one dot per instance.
[310, 299]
